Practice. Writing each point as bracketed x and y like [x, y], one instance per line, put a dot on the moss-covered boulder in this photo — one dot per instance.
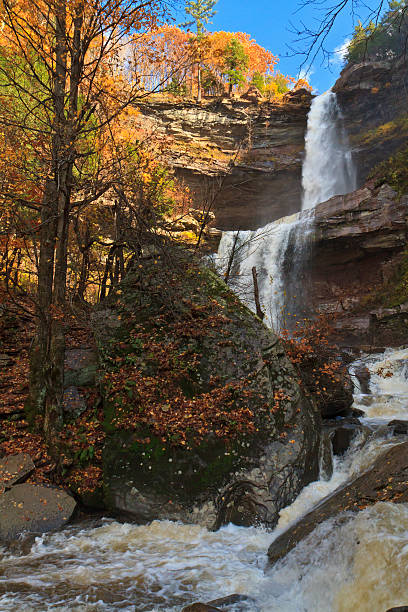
[204, 418]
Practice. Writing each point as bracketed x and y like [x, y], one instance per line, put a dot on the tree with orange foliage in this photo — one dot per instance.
[62, 89]
[201, 12]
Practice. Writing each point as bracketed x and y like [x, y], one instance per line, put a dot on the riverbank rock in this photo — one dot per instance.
[205, 420]
[200, 607]
[33, 508]
[342, 432]
[399, 428]
[14, 469]
[235, 602]
[386, 480]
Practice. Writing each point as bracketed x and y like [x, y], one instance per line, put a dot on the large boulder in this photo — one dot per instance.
[205, 419]
[33, 508]
[14, 469]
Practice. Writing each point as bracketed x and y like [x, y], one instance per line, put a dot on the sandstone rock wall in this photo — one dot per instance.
[245, 157]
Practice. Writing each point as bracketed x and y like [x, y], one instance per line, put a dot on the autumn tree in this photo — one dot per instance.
[61, 90]
[383, 31]
[386, 39]
[201, 12]
[236, 61]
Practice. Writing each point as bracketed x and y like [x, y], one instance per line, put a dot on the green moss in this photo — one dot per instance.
[393, 171]
[180, 474]
[382, 133]
[398, 292]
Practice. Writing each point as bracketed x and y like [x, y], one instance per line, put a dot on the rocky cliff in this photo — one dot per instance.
[373, 100]
[242, 156]
[359, 265]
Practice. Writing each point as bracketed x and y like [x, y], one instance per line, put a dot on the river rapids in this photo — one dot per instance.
[357, 562]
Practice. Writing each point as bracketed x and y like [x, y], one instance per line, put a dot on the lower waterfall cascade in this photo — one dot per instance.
[355, 561]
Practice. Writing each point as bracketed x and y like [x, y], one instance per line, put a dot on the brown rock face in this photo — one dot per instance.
[359, 241]
[245, 156]
[373, 100]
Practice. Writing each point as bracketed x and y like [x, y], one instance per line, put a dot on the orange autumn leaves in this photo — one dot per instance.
[169, 53]
[152, 386]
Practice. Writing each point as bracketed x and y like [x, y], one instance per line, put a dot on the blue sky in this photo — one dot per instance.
[269, 23]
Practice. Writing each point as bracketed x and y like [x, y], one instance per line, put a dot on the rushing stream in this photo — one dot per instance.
[352, 562]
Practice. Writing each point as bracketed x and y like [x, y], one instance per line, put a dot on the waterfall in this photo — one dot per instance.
[327, 168]
[280, 250]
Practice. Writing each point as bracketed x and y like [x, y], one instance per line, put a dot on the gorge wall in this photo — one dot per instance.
[373, 100]
[358, 266]
[244, 157]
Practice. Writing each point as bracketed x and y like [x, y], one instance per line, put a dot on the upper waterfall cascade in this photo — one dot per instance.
[327, 168]
[279, 251]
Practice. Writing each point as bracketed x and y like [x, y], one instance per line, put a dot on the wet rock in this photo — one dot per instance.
[357, 413]
[200, 607]
[342, 432]
[363, 376]
[81, 367]
[386, 480]
[14, 469]
[33, 508]
[238, 602]
[325, 456]
[73, 402]
[399, 427]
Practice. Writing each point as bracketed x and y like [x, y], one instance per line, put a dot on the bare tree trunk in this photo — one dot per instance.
[231, 257]
[107, 273]
[199, 92]
[259, 311]
[53, 248]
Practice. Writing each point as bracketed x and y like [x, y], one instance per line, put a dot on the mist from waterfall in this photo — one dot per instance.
[280, 250]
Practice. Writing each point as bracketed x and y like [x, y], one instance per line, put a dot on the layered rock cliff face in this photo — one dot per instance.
[358, 266]
[244, 158]
[373, 100]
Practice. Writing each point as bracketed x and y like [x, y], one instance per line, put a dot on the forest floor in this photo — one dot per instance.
[17, 328]
[16, 334]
